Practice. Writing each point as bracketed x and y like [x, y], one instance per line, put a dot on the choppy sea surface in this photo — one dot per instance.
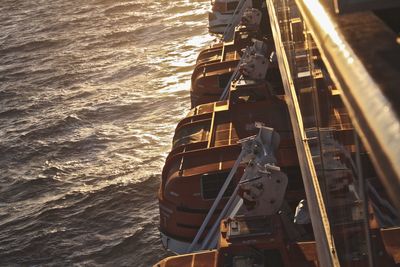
[90, 93]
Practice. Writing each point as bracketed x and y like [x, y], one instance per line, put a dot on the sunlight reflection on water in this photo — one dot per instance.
[90, 96]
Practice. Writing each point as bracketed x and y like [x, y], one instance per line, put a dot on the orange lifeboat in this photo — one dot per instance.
[205, 147]
[215, 65]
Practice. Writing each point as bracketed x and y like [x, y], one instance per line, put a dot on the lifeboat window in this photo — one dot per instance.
[192, 134]
[211, 185]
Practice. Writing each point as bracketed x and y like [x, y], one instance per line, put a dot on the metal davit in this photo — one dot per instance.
[341, 81]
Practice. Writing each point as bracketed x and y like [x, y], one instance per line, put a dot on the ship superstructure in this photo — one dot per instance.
[290, 154]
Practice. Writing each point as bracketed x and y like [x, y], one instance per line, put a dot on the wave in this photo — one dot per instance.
[89, 97]
[31, 46]
[61, 126]
[125, 214]
[28, 189]
[125, 8]
[13, 112]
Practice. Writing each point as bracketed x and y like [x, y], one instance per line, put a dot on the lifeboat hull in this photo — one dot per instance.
[205, 147]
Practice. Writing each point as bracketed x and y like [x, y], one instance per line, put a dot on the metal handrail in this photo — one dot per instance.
[321, 228]
[375, 117]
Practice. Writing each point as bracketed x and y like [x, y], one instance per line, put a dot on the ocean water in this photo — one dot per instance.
[90, 93]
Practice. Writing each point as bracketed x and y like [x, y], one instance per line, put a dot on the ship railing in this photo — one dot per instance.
[358, 51]
[321, 228]
[356, 66]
